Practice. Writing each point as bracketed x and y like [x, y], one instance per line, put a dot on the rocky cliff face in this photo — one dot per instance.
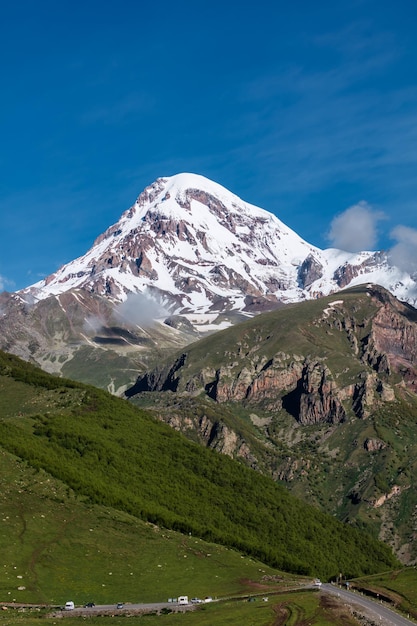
[383, 346]
[392, 345]
[316, 397]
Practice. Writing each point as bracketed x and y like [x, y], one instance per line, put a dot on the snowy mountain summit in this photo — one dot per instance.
[194, 247]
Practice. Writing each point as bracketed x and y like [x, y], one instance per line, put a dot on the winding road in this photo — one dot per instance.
[377, 610]
[380, 611]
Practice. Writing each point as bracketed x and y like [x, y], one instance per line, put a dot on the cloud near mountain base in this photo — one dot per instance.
[404, 253]
[355, 229]
[139, 310]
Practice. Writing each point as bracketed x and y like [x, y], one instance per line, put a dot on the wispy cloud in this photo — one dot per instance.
[93, 324]
[328, 136]
[355, 229]
[361, 48]
[404, 253]
[139, 309]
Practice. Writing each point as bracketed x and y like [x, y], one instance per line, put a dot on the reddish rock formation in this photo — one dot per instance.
[319, 401]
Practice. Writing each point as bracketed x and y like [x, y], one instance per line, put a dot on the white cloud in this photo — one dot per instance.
[355, 229]
[139, 309]
[404, 253]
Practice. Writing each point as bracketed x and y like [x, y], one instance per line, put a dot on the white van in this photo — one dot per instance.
[182, 599]
[69, 606]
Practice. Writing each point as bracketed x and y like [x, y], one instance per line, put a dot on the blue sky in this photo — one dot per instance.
[307, 109]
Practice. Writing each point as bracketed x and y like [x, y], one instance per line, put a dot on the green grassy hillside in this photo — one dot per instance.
[108, 453]
[242, 390]
[56, 545]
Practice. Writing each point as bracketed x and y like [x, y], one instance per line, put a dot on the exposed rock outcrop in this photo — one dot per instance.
[374, 445]
[309, 271]
[347, 272]
[315, 399]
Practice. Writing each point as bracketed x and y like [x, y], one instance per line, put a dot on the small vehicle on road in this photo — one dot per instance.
[89, 605]
[120, 605]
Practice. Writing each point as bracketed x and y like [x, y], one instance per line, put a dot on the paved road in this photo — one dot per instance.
[378, 610]
[129, 607]
[382, 612]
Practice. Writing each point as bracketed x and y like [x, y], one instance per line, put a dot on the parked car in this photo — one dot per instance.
[89, 605]
[120, 605]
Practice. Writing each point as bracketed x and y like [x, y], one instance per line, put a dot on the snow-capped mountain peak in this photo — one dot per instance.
[195, 246]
